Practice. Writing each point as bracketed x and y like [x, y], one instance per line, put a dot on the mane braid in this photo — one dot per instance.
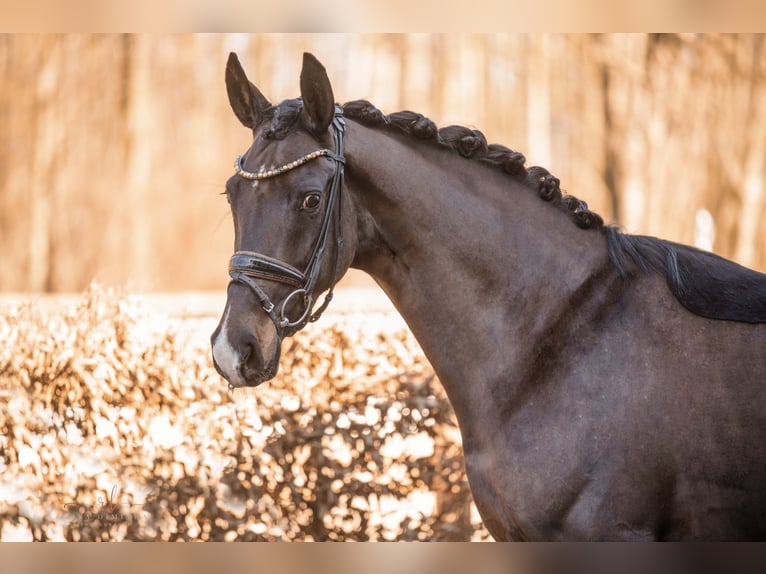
[472, 144]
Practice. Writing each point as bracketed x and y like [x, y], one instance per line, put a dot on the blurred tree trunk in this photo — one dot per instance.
[751, 248]
[48, 140]
[140, 137]
[539, 101]
[19, 153]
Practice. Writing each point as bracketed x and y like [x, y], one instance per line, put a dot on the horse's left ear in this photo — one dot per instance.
[246, 100]
[316, 91]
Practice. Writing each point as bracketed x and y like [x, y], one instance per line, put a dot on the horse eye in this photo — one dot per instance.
[311, 201]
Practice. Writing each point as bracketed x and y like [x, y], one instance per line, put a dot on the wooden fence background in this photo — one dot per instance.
[114, 148]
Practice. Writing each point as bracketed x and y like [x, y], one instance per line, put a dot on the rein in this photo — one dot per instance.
[247, 266]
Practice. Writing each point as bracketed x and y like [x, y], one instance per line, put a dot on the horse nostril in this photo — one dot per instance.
[252, 357]
[246, 352]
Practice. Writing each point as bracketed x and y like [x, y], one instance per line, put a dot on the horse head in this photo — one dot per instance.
[294, 231]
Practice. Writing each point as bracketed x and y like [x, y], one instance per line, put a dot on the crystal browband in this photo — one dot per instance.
[271, 172]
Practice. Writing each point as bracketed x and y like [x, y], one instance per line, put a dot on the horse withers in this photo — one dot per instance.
[607, 386]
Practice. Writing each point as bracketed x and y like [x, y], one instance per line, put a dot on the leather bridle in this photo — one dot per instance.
[247, 266]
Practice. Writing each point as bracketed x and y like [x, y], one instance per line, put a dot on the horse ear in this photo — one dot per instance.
[316, 91]
[247, 102]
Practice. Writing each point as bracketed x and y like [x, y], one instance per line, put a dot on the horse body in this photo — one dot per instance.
[592, 404]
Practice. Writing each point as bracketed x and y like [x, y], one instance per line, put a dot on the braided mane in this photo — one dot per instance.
[472, 144]
[707, 285]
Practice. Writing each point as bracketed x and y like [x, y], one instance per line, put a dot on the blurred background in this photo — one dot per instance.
[114, 149]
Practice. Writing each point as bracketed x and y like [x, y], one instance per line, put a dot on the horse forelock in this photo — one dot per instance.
[281, 119]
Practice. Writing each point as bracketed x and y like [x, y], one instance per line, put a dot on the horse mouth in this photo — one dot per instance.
[250, 379]
[251, 376]
[247, 377]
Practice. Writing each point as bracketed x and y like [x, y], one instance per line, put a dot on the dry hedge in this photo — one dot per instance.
[115, 426]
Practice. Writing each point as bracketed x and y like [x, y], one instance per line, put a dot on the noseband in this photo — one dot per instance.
[246, 266]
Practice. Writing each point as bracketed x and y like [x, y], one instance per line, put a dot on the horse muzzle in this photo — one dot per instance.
[240, 357]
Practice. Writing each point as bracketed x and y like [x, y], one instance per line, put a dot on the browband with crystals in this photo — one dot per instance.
[271, 172]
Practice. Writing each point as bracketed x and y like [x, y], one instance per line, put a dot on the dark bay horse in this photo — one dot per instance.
[607, 386]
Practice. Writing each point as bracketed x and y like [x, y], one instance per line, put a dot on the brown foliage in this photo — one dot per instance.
[116, 427]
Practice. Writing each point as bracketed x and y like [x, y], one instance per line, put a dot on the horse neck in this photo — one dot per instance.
[476, 263]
